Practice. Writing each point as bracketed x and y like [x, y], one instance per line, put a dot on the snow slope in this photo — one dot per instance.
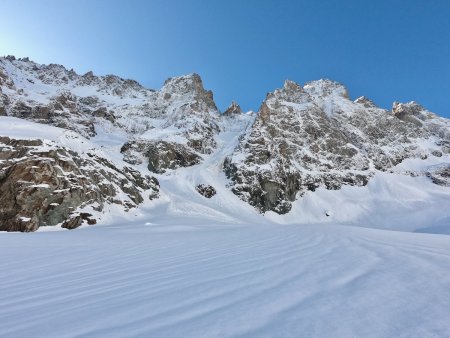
[359, 261]
[304, 138]
[186, 280]
[183, 265]
[389, 201]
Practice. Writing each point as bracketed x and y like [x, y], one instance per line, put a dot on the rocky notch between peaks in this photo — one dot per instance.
[302, 138]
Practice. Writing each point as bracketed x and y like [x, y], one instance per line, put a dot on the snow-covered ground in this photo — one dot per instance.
[186, 266]
[186, 280]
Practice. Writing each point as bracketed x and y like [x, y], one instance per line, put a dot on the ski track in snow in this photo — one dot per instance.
[219, 281]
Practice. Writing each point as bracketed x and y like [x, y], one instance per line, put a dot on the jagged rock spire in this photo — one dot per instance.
[233, 109]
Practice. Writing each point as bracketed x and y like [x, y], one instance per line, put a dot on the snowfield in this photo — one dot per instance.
[148, 280]
[369, 261]
[186, 266]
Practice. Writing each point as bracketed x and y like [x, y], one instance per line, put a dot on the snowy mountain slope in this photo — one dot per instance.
[53, 176]
[310, 155]
[164, 260]
[133, 279]
[181, 115]
[403, 198]
[313, 136]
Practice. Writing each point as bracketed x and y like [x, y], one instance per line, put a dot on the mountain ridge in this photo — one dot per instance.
[301, 139]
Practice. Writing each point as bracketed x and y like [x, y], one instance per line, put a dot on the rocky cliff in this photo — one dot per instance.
[44, 184]
[315, 135]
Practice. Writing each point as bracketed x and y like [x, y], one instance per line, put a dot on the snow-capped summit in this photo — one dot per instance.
[325, 87]
[305, 138]
[185, 84]
[182, 112]
[366, 102]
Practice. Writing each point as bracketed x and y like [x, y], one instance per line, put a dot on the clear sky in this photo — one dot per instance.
[387, 50]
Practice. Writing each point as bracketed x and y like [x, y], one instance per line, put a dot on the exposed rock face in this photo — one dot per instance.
[78, 220]
[189, 112]
[183, 113]
[366, 102]
[414, 113]
[62, 111]
[160, 155]
[205, 190]
[233, 109]
[44, 184]
[312, 136]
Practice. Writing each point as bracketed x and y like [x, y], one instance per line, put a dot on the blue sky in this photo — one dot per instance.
[387, 50]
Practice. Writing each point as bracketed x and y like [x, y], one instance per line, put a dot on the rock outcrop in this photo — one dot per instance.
[233, 109]
[160, 156]
[440, 174]
[43, 184]
[206, 190]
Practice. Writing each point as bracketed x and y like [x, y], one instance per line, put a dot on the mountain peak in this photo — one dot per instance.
[191, 83]
[411, 112]
[365, 101]
[233, 109]
[292, 86]
[326, 87]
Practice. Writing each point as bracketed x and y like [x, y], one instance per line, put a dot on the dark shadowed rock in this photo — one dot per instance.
[76, 220]
[160, 155]
[205, 190]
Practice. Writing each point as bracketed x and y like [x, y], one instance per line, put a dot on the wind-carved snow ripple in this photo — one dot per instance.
[239, 281]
